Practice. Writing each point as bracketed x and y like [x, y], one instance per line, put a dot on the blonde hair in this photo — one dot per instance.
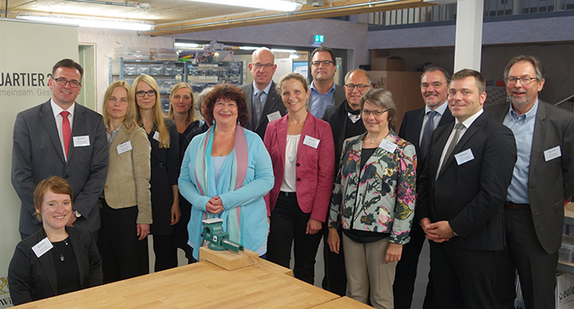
[191, 112]
[130, 120]
[157, 114]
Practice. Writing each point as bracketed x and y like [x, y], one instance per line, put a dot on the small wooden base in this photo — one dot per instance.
[228, 259]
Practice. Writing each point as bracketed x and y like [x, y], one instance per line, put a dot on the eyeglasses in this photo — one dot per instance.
[361, 87]
[142, 94]
[366, 113]
[525, 80]
[62, 82]
[434, 85]
[258, 65]
[324, 62]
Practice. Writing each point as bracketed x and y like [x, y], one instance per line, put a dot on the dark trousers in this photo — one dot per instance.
[406, 272]
[462, 279]
[180, 234]
[288, 225]
[165, 252]
[335, 278]
[123, 255]
[536, 267]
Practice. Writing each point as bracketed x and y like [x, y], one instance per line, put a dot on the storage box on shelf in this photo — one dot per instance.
[166, 73]
[566, 251]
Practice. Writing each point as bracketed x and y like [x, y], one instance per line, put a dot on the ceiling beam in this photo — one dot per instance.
[331, 9]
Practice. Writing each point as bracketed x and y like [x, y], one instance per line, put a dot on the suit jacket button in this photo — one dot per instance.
[66, 176]
[161, 165]
[106, 186]
[297, 164]
[298, 179]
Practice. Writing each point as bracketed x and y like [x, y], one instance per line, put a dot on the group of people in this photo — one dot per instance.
[286, 164]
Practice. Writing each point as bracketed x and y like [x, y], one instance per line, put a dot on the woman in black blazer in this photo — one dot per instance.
[165, 165]
[70, 261]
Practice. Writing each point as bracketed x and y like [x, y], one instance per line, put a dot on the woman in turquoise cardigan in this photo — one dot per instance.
[226, 172]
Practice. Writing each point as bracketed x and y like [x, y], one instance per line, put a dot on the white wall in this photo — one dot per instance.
[105, 42]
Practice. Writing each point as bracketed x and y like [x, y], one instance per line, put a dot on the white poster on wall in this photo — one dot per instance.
[27, 54]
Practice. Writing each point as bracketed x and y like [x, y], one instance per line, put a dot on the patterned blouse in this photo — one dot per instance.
[381, 196]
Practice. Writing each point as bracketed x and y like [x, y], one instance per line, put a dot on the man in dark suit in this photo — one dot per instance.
[417, 128]
[324, 91]
[542, 180]
[345, 121]
[264, 104]
[463, 187]
[61, 138]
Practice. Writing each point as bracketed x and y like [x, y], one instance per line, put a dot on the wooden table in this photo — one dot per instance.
[204, 285]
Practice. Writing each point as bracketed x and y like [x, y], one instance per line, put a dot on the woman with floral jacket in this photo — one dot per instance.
[373, 201]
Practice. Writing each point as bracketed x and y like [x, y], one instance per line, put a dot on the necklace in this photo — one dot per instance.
[62, 252]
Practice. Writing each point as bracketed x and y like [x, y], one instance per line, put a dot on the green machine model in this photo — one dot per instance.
[218, 239]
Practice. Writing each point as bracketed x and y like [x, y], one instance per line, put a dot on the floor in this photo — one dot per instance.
[420, 284]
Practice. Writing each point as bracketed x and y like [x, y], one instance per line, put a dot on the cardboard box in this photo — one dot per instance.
[379, 62]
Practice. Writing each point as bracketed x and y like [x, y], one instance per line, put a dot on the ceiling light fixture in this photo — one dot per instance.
[89, 22]
[186, 45]
[273, 5]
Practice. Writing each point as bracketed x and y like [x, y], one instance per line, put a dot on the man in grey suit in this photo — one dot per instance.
[264, 104]
[61, 138]
[324, 92]
[542, 179]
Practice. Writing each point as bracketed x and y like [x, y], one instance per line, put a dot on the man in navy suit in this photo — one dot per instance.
[264, 104]
[462, 190]
[417, 128]
[543, 178]
[61, 138]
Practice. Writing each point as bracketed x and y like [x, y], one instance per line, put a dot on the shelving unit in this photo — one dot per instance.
[568, 220]
[169, 73]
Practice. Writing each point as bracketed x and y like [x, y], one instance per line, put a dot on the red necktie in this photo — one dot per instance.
[66, 132]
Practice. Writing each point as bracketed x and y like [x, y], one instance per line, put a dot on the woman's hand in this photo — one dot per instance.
[214, 206]
[334, 241]
[175, 213]
[313, 226]
[394, 252]
[143, 231]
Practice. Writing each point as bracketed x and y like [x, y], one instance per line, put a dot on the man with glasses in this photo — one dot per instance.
[345, 121]
[324, 92]
[541, 181]
[264, 104]
[61, 138]
[417, 128]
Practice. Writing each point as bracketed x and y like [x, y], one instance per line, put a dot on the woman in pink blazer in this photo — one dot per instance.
[301, 148]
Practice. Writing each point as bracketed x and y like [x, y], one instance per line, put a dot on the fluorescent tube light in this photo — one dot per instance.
[92, 22]
[273, 5]
[186, 45]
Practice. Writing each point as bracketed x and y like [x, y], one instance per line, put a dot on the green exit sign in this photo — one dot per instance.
[319, 38]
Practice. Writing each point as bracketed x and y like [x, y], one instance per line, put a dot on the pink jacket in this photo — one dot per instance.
[315, 166]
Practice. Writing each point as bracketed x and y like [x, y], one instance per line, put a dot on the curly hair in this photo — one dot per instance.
[231, 93]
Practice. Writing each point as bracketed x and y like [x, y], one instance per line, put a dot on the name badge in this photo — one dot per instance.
[156, 136]
[464, 156]
[311, 141]
[82, 141]
[127, 146]
[552, 153]
[388, 146]
[274, 116]
[42, 247]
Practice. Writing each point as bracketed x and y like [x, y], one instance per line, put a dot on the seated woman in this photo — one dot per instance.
[226, 172]
[57, 259]
[301, 149]
[373, 201]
